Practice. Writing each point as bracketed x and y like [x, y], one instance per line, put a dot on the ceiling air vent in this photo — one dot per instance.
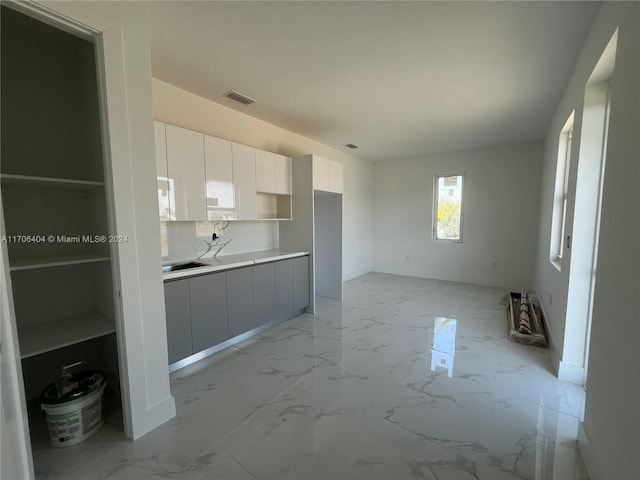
[238, 97]
[351, 146]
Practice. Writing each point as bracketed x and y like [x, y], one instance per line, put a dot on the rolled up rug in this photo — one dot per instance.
[525, 323]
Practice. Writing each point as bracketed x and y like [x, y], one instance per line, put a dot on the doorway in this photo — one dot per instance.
[327, 250]
[56, 213]
[588, 201]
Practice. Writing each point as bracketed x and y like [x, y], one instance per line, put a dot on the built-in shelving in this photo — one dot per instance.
[47, 261]
[55, 204]
[271, 206]
[51, 335]
[53, 221]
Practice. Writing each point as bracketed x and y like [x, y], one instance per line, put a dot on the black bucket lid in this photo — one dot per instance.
[88, 381]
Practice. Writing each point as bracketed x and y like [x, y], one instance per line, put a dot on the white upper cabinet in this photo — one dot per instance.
[265, 172]
[220, 195]
[185, 168]
[328, 175]
[273, 186]
[273, 173]
[321, 173]
[244, 180]
[283, 174]
[164, 193]
[205, 178]
[336, 177]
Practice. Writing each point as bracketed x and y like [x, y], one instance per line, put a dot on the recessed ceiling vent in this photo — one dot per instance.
[351, 146]
[238, 97]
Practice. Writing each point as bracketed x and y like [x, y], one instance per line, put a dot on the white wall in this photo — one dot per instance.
[179, 107]
[610, 434]
[501, 196]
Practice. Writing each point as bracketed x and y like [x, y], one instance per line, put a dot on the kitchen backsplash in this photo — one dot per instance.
[186, 240]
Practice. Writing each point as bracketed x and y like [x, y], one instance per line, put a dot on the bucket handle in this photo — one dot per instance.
[71, 365]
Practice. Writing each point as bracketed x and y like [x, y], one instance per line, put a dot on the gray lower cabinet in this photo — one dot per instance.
[207, 310]
[284, 289]
[208, 295]
[264, 294]
[301, 283]
[178, 313]
[240, 300]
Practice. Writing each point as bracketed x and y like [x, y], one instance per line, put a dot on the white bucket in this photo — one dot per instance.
[74, 420]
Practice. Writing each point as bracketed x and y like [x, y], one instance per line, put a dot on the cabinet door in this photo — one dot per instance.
[185, 168]
[218, 161]
[265, 172]
[264, 294]
[164, 203]
[244, 181]
[321, 174]
[284, 289]
[176, 300]
[283, 174]
[300, 283]
[240, 300]
[336, 177]
[208, 295]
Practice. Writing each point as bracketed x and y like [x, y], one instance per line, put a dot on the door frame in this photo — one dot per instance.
[45, 15]
[14, 420]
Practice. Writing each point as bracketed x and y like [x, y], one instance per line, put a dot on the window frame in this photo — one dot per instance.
[568, 139]
[434, 222]
[561, 192]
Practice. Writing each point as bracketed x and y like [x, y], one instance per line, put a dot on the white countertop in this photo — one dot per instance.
[228, 262]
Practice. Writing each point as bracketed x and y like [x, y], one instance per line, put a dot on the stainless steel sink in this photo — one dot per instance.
[181, 266]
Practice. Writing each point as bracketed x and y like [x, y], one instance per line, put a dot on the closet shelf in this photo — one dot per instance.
[47, 261]
[11, 180]
[48, 336]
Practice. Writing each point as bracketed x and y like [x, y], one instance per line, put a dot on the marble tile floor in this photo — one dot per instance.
[352, 393]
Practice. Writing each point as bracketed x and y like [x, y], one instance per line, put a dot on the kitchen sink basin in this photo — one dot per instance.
[181, 266]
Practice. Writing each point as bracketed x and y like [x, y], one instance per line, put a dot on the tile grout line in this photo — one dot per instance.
[243, 467]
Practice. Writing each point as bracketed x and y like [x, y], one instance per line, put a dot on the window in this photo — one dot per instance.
[447, 215]
[560, 198]
[565, 185]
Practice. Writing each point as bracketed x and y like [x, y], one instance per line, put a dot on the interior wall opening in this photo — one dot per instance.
[586, 215]
[56, 210]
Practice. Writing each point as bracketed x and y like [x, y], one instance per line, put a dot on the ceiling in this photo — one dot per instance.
[398, 79]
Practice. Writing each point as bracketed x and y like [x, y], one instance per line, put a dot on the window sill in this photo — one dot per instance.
[556, 263]
[442, 241]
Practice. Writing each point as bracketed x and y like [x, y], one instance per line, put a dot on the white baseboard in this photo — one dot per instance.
[444, 277]
[568, 372]
[565, 371]
[351, 275]
[586, 450]
[555, 355]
